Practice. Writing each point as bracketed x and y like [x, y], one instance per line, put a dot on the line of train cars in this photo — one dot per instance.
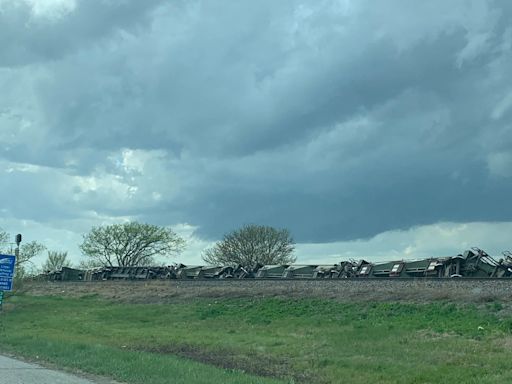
[472, 263]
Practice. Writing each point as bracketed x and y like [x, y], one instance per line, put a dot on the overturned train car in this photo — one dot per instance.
[474, 263]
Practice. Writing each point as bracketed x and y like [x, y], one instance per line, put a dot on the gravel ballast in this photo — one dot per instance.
[459, 290]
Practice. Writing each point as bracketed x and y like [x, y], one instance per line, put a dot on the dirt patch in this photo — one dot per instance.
[256, 364]
[432, 335]
[504, 342]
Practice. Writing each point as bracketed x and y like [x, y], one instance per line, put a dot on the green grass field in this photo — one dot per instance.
[263, 340]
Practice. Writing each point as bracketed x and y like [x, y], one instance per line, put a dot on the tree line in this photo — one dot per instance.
[138, 244]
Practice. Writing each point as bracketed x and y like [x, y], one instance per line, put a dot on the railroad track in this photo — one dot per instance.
[280, 280]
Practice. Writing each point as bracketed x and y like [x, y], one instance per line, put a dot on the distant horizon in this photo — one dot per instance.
[332, 253]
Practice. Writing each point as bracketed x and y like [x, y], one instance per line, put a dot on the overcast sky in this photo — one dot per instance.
[375, 129]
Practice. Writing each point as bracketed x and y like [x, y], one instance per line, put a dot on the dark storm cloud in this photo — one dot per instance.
[335, 119]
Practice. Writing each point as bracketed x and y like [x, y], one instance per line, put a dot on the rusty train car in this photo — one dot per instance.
[473, 263]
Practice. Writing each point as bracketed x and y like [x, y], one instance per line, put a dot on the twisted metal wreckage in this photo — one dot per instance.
[473, 263]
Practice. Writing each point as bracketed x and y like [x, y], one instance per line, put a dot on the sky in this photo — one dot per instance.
[376, 130]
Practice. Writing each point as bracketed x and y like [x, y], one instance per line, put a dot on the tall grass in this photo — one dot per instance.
[283, 340]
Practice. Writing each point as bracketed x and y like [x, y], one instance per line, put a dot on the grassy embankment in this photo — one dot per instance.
[236, 340]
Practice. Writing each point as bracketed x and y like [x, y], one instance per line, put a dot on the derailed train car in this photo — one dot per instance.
[474, 263]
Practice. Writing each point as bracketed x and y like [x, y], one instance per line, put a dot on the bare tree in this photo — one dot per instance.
[55, 261]
[251, 245]
[28, 251]
[24, 262]
[4, 239]
[89, 264]
[130, 244]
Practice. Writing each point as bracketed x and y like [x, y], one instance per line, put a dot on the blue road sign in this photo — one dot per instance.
[6, 272]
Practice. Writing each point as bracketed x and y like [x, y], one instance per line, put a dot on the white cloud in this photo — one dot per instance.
[500, 164]
[477, 45]
[195, 245]
[436, 240]
[502, 107]
[51, 9]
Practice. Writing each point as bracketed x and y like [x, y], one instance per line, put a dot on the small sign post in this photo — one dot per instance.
[7, 263]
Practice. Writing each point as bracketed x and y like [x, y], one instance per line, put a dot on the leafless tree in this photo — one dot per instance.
[251, 245]
[55, 261]
[130, 244]
[24, 265]
[4, 238]
[89, 264]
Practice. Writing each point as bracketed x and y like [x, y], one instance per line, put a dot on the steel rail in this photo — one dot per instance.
[220, 281]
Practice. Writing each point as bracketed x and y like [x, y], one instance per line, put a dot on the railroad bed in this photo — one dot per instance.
[160, 291]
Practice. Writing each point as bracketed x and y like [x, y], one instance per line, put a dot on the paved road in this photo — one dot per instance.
[17, 372]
